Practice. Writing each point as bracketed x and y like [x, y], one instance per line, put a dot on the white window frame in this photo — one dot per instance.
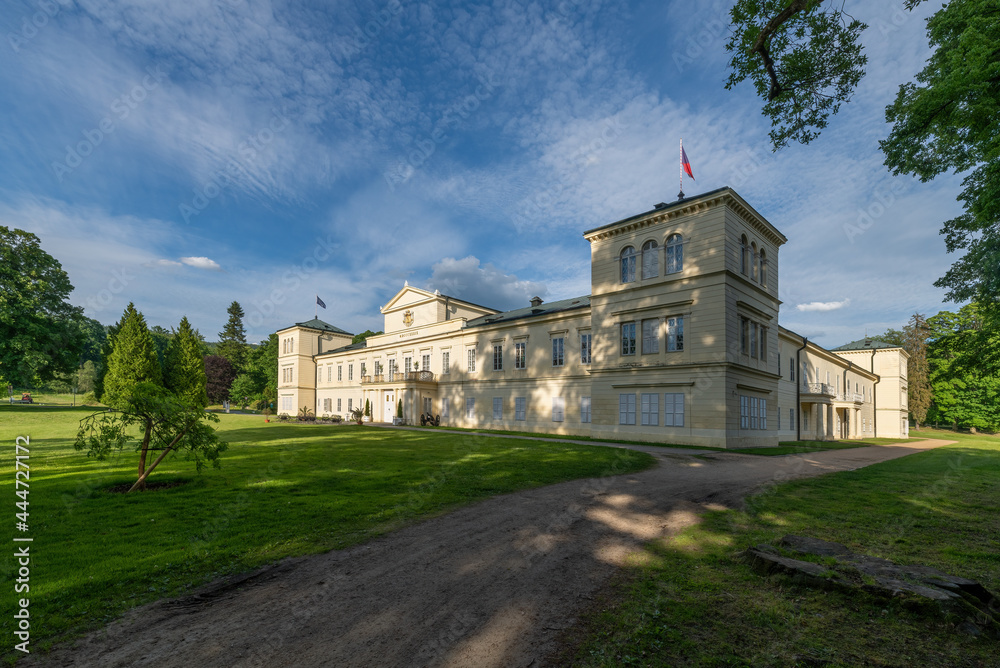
[626, 408]
[558, 409]
[651, 336]
[649, 409]
[673, 409]
[675, 334]
[674, 254]
[471, 360]
[470, 408]
[585, 410]
[558, 351]
[446, 362]
[520, 409]
[627, 330]
[497, 408]
[498, 357]
[586, 348]
[520, 355]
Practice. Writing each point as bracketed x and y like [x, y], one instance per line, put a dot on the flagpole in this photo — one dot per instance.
[316, 308]
[680, 170]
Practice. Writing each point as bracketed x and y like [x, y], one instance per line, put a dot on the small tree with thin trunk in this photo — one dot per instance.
[151, 419]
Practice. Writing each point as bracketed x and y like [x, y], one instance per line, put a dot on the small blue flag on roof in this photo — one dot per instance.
[320, 302]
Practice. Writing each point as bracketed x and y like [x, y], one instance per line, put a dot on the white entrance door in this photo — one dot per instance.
[390, 408]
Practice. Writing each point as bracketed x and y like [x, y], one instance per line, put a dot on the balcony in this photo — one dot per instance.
[855, 397]
[820, 389]
[399, 377]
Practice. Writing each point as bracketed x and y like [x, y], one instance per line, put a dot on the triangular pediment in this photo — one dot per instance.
[411, 296]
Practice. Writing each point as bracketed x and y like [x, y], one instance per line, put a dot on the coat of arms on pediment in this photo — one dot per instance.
[408, 318]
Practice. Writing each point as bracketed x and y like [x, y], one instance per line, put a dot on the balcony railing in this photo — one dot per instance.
[851, 396]
[819, 388]
[399, 376]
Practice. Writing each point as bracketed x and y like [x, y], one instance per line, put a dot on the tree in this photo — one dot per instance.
[368, 409]
[259, 380]
[109, 342]
[233, 338]
[918, 382]
[151, 419]
[132, 360]
[85, 377]
[942, 122]
[803, 58]
[965, 396]
[41, 334]
[220, 374]
[184, 366]
[161, 340]
[358, 338]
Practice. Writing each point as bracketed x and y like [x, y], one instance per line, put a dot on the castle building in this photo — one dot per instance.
[677, 342]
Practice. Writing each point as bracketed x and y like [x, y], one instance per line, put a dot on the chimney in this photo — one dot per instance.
[536, 302]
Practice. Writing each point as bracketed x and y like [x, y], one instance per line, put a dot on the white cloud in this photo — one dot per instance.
[482, 284]
[164, 263]
[823, 306]
[201, 263]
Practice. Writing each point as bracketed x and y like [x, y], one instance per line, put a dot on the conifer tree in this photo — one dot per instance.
[132, 360]
[183, 366]
[233, 338]
[918, 382]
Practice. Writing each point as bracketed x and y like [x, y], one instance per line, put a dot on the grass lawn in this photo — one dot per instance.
[689, 601]
[283, 490]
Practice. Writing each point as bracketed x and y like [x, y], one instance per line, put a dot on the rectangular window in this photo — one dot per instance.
[673, 409]
[753, 340]
[497, 408]
[425, 362]
[628, 339]
[805, 421]
[791, 418]
[520, 408]
[754, 403]
[778, 413]
[675, 334]
[498, 358]
[763, 343]
[558, 358]
[762, 410]
[350, 372]
[650, 409]
[444, 406]
[445, 362]
[326, 405]
[470, 408]
[471, 354]
[585, 348]
[626, 409]
[407, 364]
[286, 403]
[340, 373]
[791, 370]
[338, 404]
[585, 409]
[650, 336]
[520, 360]
[744, 334]
[558, 409]
[392, 369]
[350, 404]
[744, 412]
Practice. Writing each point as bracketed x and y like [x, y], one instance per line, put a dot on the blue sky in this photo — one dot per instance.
[183, 155]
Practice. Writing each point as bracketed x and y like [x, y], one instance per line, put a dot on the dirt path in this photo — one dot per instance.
[489, 585]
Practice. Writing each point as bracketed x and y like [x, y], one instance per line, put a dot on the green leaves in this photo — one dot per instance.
[132, 359]
[184, 367]
[41, 334]
[803, 59]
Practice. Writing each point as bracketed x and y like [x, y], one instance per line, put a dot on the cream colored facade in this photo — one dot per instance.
[678, 342]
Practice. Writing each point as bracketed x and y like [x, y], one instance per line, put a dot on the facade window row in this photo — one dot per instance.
[649, 409]
[648, 259]
[753, 412]
[753, 338]
[753, 261]
[651, 330]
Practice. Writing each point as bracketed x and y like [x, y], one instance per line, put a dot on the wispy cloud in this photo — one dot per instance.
[824, 306]
[201, 263]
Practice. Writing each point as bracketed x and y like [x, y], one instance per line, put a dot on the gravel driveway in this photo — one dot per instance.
[492, 584]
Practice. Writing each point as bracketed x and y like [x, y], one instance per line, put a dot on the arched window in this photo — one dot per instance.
[650, 259]
[675, 253]
[763, 268]
[628, 264]
[743, 255]
[753, 260]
